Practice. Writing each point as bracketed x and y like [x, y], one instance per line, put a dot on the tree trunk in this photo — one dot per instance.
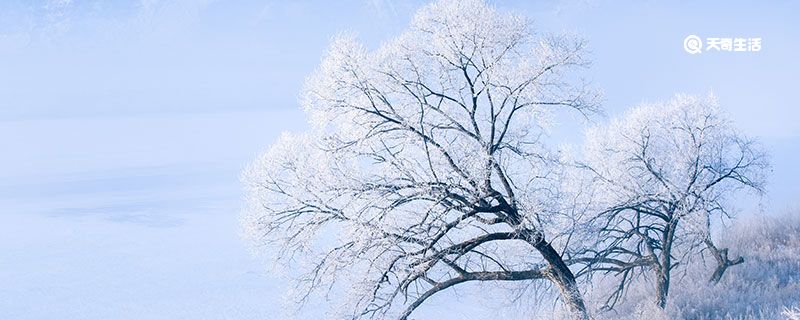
[663, 271]
[720, 270]
[662, 288]
[564, 280]
[723, 262]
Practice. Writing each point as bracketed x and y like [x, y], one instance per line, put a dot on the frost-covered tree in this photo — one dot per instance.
[665, 172]
[425, 166]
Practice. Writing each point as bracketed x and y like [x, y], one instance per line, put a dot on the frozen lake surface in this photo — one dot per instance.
[113, 219]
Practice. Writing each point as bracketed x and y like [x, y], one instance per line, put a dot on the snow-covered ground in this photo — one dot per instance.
[128, 218]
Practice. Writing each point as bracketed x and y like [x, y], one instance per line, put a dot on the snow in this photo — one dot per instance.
[110, 222]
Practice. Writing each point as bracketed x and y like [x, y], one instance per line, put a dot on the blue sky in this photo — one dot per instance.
[124, 125]
[87, 59]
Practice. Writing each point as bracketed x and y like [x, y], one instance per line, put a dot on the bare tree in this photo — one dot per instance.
[426, 166]
[666, 172]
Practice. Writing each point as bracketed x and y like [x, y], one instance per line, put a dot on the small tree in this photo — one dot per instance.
[425, 167]
[666, 172]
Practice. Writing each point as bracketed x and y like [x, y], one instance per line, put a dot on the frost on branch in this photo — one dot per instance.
[425, 166]
[664, 173]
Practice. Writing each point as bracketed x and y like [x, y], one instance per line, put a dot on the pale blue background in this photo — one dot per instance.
[124, 126]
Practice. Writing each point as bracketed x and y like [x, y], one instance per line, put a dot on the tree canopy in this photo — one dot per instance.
[426, 166]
